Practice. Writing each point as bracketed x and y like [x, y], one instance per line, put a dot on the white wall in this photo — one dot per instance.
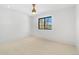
[13, 25]
[63, 27]
[77, 26]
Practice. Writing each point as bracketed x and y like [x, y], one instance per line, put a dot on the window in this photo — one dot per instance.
[45, 23]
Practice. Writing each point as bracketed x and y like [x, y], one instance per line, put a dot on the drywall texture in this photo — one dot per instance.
[63, 27]
[13, 24]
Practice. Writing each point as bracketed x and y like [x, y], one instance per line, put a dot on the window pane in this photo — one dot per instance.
[48, 23]
[49, 27]
[41, 26]
[42, 21]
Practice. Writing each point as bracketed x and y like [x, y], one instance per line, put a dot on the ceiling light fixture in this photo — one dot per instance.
[33, 10]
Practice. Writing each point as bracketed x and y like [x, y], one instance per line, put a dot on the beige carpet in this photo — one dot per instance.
[34, 45]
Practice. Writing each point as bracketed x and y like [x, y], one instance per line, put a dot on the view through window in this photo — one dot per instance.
[45, 23]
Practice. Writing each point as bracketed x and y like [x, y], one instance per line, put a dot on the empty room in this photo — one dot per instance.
[39, 29]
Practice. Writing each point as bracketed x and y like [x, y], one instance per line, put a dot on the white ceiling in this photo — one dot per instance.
[27, 8]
